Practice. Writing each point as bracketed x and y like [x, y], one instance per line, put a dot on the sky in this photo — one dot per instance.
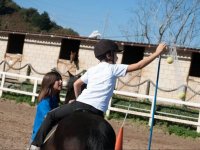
[108, 17]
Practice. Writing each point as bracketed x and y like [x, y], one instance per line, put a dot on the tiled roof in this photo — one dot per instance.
[84, 40]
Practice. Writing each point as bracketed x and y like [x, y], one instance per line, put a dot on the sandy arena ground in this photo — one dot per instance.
[16, 124]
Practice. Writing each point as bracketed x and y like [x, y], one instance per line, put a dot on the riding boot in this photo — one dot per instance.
[33, 147]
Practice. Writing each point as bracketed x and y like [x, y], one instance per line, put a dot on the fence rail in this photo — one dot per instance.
[170, 117]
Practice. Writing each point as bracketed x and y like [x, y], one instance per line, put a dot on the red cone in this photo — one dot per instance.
[119, 140]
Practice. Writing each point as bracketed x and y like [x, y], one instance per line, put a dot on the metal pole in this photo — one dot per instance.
[154, 104]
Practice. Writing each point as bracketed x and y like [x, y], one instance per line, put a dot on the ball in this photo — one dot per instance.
[170, 60]
[181, 95]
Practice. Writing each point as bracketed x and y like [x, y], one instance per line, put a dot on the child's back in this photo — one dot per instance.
[100, 82]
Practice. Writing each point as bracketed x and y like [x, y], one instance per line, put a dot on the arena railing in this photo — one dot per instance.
[147, 113]
[5, 75]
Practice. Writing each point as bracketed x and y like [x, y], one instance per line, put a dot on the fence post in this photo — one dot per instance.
[150, 118]
[109, 105]
[2, 83]
[28, 73]
[147, 88]
[198, 127]
[34, 90]
[4, 66]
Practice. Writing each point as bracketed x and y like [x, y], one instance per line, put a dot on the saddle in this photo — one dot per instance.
[50, 133]
[93, 111]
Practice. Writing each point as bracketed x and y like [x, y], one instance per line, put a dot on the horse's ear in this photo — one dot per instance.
[70, 75]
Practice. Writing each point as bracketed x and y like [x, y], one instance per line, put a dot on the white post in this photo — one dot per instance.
[34, 90]
[2, 83]
[198, 126]
[109, 105]
[150, 118]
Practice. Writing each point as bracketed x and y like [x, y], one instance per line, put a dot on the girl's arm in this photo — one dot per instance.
[77, 87]
[141, 64]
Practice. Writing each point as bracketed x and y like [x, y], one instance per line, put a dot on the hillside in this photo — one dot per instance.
[14, 17]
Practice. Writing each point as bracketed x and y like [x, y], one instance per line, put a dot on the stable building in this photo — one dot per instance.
[35, 54]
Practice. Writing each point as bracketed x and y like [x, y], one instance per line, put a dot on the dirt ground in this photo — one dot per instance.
[16, 124]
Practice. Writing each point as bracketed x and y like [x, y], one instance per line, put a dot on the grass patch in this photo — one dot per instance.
[183, 131]
[19, 98]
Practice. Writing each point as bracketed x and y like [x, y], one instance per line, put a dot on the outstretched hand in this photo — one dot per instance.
[161, 47]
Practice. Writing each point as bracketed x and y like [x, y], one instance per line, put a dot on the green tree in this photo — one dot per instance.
[45, 22]
[8, 7]
[29, 13]
[14, 17]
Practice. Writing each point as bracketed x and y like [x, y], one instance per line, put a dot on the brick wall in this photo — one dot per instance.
[43, 56]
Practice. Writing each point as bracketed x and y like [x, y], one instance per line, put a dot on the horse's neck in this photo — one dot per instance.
[70, 96]
[72, 56]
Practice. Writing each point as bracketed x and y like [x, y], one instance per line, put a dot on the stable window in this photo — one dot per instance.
[194, 67]
[69, 46]
[132, 54]
[15, 43]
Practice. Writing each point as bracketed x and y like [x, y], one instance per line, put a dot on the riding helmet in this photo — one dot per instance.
[104, 46]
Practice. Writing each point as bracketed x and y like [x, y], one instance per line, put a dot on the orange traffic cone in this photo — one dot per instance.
[119, 140]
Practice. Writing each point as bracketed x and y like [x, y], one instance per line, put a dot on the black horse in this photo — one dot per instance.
[70, 95]
[81, 130]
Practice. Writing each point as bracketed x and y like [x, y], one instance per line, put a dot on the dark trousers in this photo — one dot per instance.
[54, 116]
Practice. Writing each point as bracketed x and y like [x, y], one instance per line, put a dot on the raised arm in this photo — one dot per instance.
[141, 64]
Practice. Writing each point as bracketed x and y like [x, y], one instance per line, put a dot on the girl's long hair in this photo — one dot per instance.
[47, 85]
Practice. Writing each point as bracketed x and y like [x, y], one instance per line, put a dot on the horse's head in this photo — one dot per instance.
[74, 58]
[70, 95]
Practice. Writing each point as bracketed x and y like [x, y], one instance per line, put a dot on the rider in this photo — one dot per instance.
[100, 81]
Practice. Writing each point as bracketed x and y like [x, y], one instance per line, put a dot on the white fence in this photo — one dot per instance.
[169, 117]
[34, 79]
[144, 113]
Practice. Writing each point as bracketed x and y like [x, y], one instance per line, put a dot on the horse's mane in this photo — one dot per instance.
[70, 95]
